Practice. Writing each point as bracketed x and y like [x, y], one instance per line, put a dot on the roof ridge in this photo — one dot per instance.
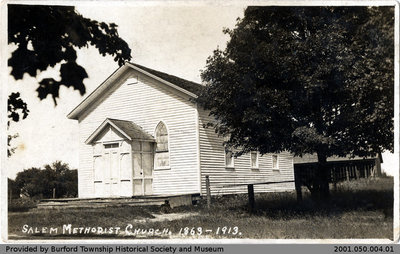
[115, 119]
[144, 67]
[188, 85]
[132, 122]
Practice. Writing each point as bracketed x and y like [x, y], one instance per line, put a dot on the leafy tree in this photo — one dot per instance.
[49, 35]
[12, 189]
[30, 182]
[306, 80]
[37, 182]
[65, 180]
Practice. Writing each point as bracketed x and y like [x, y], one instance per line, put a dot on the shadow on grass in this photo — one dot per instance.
[357, 196]
[340, 202]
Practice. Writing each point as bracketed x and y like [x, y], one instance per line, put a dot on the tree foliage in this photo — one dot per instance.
[38, 182]
[306, 80]
[13, 190]
[48, 35]
[16, 108]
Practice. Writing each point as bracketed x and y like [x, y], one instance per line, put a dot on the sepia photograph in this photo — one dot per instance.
[180, 120]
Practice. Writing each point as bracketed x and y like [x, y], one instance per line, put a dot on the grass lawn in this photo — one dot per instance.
[357, 209]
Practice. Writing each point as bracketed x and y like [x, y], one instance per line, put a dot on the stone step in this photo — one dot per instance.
[102, 201]
[96, 205]
[174, 201]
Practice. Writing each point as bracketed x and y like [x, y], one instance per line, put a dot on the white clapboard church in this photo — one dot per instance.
[141, 133]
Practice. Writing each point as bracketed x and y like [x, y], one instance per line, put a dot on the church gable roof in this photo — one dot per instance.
[128, 129]
[133, 130]
[189, 88]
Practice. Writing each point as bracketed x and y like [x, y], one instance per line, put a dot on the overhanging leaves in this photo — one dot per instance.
[47, 35]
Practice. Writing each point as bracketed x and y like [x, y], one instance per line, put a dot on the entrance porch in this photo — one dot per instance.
[123, 160]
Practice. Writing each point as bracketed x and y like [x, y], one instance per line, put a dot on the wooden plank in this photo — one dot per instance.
[334, 178]
[257, 183]
[250, 189]
[357, 173]
[208, 192]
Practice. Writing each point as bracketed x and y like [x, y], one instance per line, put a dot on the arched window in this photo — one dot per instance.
[162, 153]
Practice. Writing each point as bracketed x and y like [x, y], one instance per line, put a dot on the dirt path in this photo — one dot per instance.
[167, 217]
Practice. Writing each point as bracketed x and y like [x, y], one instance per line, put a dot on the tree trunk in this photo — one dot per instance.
[323, 176]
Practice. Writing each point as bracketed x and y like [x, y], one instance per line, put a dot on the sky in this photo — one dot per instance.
[176, 39]
[173, 39]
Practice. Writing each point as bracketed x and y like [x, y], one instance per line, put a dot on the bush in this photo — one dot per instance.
[12, 189]
[39, 183]
[21, 205]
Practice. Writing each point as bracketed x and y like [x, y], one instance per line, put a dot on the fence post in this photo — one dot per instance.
[377, 166]
[357, 173]
[250, 189]
[334, 178]
[54, 192]
[347, 173]
[297, 185]
[208, 192]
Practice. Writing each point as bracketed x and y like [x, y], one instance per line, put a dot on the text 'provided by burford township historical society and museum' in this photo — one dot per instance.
[113, 249]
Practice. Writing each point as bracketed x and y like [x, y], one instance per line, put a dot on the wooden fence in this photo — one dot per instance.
[305, 174]
[339, 170]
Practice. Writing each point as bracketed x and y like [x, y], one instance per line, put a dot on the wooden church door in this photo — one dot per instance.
[143, 156]
[112, 170]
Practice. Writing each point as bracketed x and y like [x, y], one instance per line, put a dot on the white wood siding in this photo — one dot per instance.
[146, 103]
[212, 161]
